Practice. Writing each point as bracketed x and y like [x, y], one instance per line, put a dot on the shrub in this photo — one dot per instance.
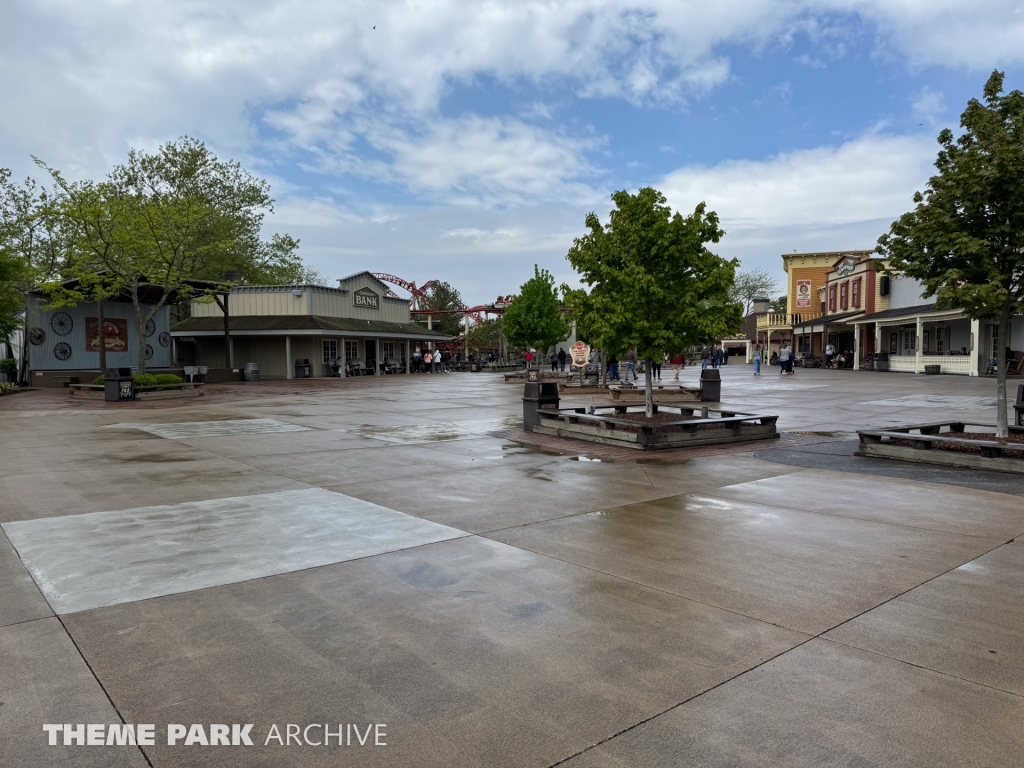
[9, 367]
[8, 388]
[148, 379]
[99, 379]
[144, 380]
[168, 378]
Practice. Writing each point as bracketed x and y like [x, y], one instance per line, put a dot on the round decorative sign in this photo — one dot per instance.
[36, 336]
[165, 339]
[150, 328]
[61, 323]
[149, 351]
[62, 351]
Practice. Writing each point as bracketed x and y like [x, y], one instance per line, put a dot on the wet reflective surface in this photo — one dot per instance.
[384, 554]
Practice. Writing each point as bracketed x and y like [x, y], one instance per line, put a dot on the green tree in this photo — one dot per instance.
[753, 284]
[965, 239]
[443, 297]
[780, 305]
[485, 336]
[162, 220]
[654, 285]
[534, 318]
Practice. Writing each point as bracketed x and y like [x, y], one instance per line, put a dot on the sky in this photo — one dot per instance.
[468, 141]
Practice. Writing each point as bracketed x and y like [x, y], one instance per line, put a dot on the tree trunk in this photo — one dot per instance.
[649, 388]
[138, 323]
[1002, 342]
[103, 336]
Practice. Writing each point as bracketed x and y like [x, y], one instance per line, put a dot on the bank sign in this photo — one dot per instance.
[366, 299]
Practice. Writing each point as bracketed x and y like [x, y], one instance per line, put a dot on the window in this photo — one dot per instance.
[831, 298]
[927, 342]
[856, 293]
[940, 340]
[893, 341]
[351, 350]
[330, 350]
[389, 350]
[844, 294]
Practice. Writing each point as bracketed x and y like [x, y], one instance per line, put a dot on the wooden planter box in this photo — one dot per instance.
[924, 437]
[718, 427]
[663, 393]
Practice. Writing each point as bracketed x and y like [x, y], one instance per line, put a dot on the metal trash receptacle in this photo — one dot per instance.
[710, 385]
[303, 370]
[882, 361]
[118, 385]
[538, 396]
[251, 372]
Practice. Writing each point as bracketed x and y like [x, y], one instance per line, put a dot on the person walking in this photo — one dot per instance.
[830, 352]
[417, 360]
[561, 359]
[613, 367]
[757, 361]
[438, 362]
[528, 358]
[554, 361]
[719, 356]
[786, 361]
[656, 368]
[631, 364]
[428, 364]
[704, 358]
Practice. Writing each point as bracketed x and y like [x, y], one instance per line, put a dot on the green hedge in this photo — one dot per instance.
[148, 379]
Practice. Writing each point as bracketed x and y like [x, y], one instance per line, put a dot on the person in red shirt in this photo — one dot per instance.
[528, 357]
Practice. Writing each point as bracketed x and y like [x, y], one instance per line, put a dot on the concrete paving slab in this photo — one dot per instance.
[428, 432]
[219, 428]
[491, 498]
[241, 446]
[473, 652]
[824, 704]
[104, 558]
[20, 599]
[714, 471]
[43, 679]
[966, 623]
[946, 402]
[800, 570]
[140, 480]
[920, 505]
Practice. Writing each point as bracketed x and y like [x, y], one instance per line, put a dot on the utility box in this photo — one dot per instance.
[118, 385]
[1018, 407]
[303, 370]
[538, 396]
[882, 361]
[710, 386]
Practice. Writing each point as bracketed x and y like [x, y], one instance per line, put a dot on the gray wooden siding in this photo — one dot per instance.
[43, 358]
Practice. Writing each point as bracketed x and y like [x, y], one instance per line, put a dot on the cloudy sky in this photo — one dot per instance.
[466, 141]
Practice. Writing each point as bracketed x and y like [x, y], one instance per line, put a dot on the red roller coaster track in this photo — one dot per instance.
[418, 295]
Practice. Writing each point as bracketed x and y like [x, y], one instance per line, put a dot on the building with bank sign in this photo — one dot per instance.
[359, 323]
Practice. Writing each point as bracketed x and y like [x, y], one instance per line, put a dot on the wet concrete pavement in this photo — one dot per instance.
[371, 554]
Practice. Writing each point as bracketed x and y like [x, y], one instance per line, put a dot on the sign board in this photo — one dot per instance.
[803, 293]
[115, 334]
[533, 374]
[366, 298]
[580, 354]
[845, 267]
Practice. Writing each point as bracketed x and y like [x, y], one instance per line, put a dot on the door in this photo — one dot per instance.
[371, 354]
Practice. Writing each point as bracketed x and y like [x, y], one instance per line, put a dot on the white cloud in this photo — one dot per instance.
[929, 106]
[867, 178]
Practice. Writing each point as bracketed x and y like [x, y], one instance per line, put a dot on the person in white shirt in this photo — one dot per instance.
[830, 352]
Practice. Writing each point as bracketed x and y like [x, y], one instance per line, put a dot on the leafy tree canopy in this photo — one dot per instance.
[443, 296]
[485, 336]
[654, 285]
[965, 239]
[534, 318]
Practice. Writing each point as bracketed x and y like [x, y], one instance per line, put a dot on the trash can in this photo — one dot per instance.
[303, 370]
[538, 396]
[1018, 407]
[710, 385]
[932, 370]
[251, 372]
[591, 376]
[882, 361]
[809, 361]
[118, 385]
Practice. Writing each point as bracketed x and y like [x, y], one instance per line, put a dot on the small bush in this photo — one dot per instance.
[8, 388]
[168, 378]
[99, 379]
[144, 380]
[148, 379]
[9, 367]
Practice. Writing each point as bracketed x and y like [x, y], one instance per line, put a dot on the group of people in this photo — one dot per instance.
[714, 357]
[558, 359]
[431, 361]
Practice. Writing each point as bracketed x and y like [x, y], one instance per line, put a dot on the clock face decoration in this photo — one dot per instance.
[150, 329]
[165, 339]
[62, 351]
[61, 323]
[37, 336]
[149, 351]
